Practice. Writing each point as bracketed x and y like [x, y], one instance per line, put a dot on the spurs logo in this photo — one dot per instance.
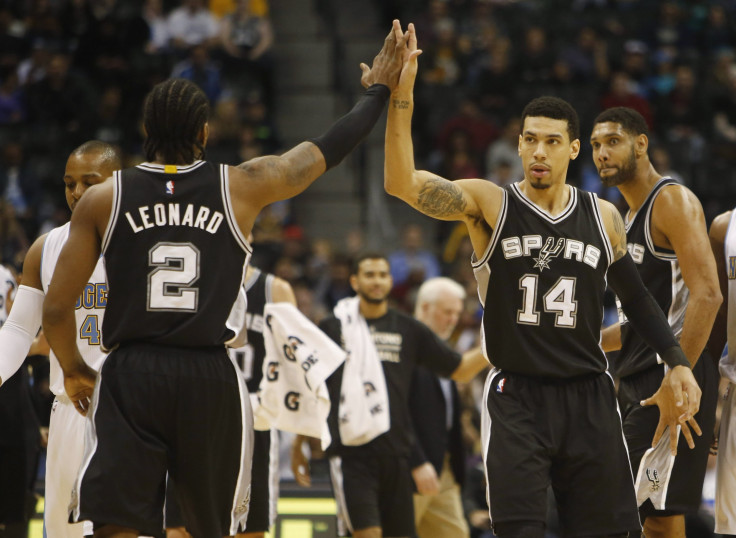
[548, 252]
[653, 477]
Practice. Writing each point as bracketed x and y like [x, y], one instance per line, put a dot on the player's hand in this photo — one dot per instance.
[79, 385]
[300, 463]
[425, 478]
[678, 400]
[388, 63]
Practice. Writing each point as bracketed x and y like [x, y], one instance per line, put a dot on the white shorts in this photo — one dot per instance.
[726, 467]
[63, 458]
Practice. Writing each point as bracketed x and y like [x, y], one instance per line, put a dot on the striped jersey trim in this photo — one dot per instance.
[170, 168]
[500, 221]
[115, 211]
[571, 204]
[251, 280]
[667, 256]
[601, 226]
[227, 202]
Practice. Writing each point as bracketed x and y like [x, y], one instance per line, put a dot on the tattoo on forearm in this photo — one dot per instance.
[618, 227]
[440, 198]
[401, 104]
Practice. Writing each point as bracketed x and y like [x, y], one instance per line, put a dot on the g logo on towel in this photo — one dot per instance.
[292, 400]
[291, 346]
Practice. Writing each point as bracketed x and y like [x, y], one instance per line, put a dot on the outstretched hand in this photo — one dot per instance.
[389, 63]
[79, 386]
[678, 399]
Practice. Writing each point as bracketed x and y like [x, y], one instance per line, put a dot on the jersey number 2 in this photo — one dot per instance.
[176, 268]
[560, 300]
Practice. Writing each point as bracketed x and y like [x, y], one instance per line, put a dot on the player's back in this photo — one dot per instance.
[542, 280]
[174, 256]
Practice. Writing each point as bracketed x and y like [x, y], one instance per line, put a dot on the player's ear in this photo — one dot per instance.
[354, 282]
[641, 144]
[204, 134]
[574, 149]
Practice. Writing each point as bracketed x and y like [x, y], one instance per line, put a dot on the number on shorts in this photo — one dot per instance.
[243, 357]
[176, 268]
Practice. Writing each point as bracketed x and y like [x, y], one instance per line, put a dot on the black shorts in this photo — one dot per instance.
[373, 491]
[565, 433]
[264, 487]
[684, 489]
[159, 409]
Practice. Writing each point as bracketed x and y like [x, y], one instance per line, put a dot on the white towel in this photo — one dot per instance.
[363, 411]
[299, 358]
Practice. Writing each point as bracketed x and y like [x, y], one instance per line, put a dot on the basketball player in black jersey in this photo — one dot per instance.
[544, 252]
[261, 288]
[668, 241]
[173, 233]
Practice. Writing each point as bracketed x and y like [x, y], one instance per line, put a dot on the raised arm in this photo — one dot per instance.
[678, 215]
[264, 180]
[24, 321]
[426, 192]
[717, 235]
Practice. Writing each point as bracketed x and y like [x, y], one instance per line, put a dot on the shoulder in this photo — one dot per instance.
[719, 226]
[32, 263]
[675, 195]
[281, 291]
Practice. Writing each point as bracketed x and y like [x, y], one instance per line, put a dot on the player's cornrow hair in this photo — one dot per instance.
[556, 109]
[174, 113]
[630, 120]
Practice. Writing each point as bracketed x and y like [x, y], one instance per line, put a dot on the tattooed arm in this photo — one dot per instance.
[474, 201]
[615, 228]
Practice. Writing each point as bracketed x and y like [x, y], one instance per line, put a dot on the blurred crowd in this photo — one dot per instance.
[75, 70]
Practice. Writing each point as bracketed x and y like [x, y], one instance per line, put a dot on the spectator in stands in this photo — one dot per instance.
[506, 149]
[12, 106]
[620, 93]
[247, 38]
[201, 70]
[55, 109]
[159, 36]
[19, 187]
[413, 258]
[192, 24]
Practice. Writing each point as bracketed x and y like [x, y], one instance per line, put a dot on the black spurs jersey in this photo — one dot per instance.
[249, 358]
[174, 256]
[660, 272]
[541, 282]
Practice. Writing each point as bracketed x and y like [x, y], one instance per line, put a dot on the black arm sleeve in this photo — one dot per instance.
[434, 354]
[353, 127]
[645, 315]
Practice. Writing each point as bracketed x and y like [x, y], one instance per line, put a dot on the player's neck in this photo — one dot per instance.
[373, 310]
[553, 199]
[635, 192]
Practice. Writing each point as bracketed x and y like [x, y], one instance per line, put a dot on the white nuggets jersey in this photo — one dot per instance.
[728, 363]
[8, 286]
[89, 310]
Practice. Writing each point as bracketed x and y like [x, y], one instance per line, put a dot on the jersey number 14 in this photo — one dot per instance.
[559, 300]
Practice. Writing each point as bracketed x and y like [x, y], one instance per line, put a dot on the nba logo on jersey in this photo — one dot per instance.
[499, 387]
[169, 187]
